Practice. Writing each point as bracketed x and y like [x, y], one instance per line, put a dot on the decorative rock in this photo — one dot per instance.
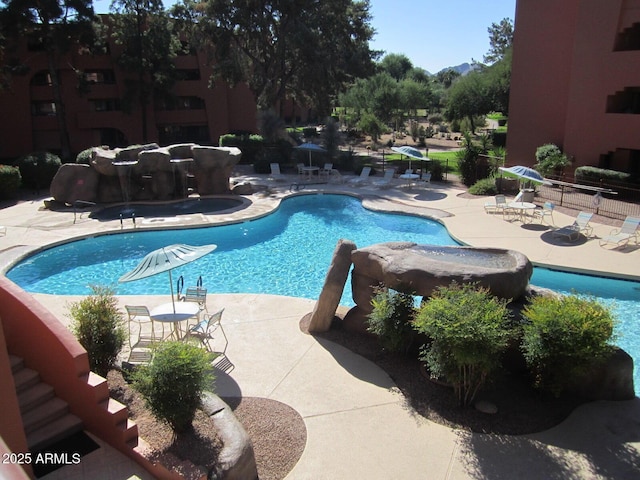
[213, 167]
[132, 153]
[486, 407]
[73, 182]
[244, 188]
[420, 269]
[157, 160]
[611, 380]
[329, 299]
[236, 460]
[102, 160]
[181, 150]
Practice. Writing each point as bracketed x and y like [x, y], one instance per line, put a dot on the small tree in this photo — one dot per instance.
[564, 337]
[173, 383]
[391, 319]
[371, 125]
[469, 329]
[550, 159]
[468, 160]
[99, 327]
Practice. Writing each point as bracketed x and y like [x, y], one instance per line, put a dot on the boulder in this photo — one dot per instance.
[327, 304]
[102, 160]
[420, 269]
[73, 182]
[213, 167]
[181, 150]
[611, 380]
[153, 161]
[132, 153]
[244, 188]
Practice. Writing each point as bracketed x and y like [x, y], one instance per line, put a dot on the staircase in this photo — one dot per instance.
[45, 417]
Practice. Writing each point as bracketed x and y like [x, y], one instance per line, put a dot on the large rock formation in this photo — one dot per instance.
[327, 304]
[146, 172]
[420, 269]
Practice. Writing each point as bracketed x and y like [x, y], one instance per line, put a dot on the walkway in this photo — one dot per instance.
[357, 424]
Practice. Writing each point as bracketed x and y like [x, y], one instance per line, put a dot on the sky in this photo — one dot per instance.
[433, 34]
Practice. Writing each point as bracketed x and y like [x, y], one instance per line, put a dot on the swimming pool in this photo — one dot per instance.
[286, 253]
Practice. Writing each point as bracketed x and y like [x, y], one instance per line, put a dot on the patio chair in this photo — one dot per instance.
[301, 172]
[143, 330]
[326, 171]
[622, 236]
[275, 173]
[579, 226]
[498, 205]
[426, 178]
[545, 213]
[386, 180]
[363, 178]
[204, 331]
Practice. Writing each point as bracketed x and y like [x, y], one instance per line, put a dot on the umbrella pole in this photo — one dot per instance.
[173, 302]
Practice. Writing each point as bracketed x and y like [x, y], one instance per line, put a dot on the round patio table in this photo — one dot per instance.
[175, 313]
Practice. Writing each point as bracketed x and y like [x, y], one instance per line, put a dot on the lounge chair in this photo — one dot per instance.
[498, 205]
[204, 330]
[545, 212]
[579, 226]
[326, 171]
[363, 178]
[426, 178]
[622, 236]
[275, 173]
[386, 180]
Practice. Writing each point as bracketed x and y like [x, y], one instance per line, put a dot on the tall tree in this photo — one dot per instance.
[304, 50]
[397, 65]
[468, 97]
[149, 46]
[500, 40]
[56, 25]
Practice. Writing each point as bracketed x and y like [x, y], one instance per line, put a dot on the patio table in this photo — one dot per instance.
[175, 313]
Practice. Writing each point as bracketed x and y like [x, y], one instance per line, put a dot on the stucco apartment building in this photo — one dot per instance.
[95, 117]
[576, 82]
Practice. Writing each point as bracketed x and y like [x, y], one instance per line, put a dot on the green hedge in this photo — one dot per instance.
[250, 145]
[38, 169]
[595, 175]
[10, 181]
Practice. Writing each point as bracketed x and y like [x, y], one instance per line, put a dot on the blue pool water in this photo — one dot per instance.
[286, 253]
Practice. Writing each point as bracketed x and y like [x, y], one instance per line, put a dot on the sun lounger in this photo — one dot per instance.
[275, 173]
[363, 178]
[386, 180]
[579, 226]
[622, 236]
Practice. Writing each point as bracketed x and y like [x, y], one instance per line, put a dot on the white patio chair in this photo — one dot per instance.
[386, 180]
[275, 173]
[579, 226]
[622, 236]
[326, 171]
[497, 206]
[204, 332]
[545, 213]
[363, 178]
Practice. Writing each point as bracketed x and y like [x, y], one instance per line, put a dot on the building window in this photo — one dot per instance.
[188, 74]
[626, 101]
[628, 39]
[106, 105]
[181, 103]
[43, 108]
[99, 76]
[41, 78]
[183, 134]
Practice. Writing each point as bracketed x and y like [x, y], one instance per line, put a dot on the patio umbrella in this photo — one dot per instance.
[525, 173]
[410, 152]
[310, 147]
[164, 260]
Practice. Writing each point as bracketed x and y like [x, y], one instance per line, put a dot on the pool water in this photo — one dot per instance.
[285, 253]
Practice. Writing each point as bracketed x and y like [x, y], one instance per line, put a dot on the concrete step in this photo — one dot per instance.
[25, 378]
[44, 413]
[53, 432]
[16, 363]
[34, 396]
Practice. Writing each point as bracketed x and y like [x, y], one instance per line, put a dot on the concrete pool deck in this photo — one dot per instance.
[357, 424]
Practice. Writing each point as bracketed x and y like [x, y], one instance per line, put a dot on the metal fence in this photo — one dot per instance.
[612, 201]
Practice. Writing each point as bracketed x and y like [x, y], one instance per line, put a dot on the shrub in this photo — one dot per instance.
[173, 383]
[309, 132]
[468, 161]
[391, 319]
[10, 181]
[84, 156]
[250, 145]
[597, 175]
[99, 327]
[550, 159]
[486, 186]
[38, 169]
[469, 329]
[499, 138]
[563, 337]
[437, 170]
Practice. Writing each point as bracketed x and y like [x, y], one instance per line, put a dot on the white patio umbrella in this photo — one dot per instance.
[164, 260]
[310, 147]
[410, 152]
[525, 173]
